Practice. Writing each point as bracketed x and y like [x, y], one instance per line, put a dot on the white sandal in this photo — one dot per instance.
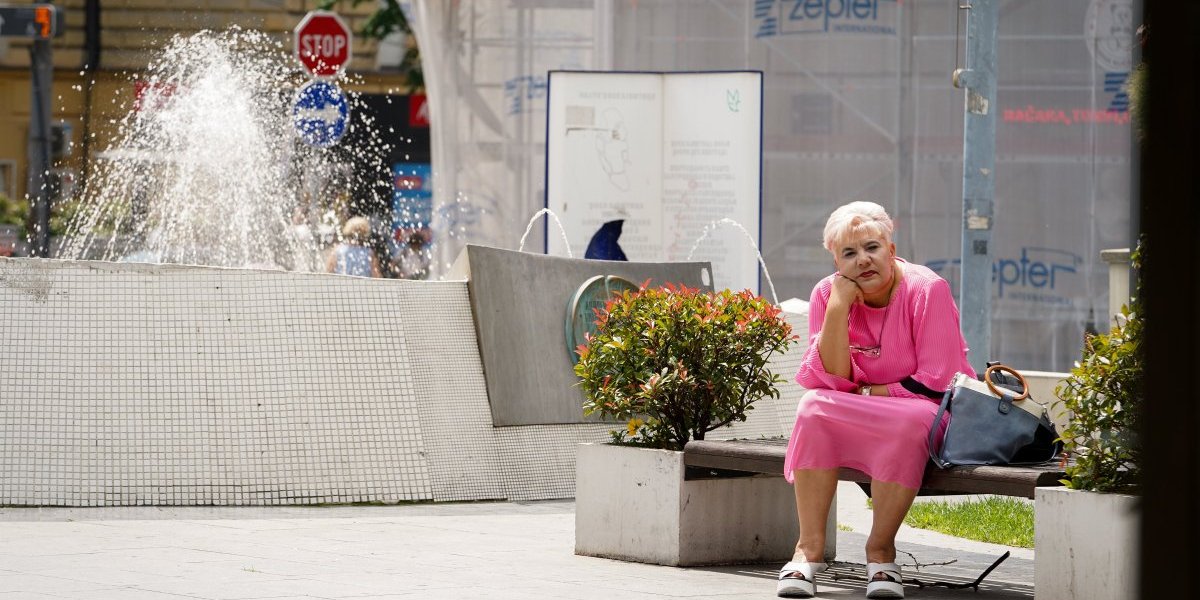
[890, 587]
[804, 586]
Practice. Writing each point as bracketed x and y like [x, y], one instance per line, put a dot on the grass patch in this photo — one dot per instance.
[997, 520]
[844, 527]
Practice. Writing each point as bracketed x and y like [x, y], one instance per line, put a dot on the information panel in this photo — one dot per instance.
[668, 154]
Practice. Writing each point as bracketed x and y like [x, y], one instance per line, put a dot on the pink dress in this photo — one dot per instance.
[921, 348]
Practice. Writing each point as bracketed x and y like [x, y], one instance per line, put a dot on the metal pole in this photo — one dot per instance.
[1135, 156]
[979, 178]
[37, 188]
[91, 63]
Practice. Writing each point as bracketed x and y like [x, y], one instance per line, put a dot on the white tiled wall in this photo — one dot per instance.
[133, 384]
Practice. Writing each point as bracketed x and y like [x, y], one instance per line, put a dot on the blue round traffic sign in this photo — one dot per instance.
[321, 113]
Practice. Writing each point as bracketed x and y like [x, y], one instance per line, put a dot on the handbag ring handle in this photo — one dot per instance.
[987, 378]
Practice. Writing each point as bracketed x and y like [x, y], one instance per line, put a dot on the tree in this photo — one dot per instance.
[388, 19]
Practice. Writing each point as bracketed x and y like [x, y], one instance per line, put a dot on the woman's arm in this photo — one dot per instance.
[813, 373]
[834, 344]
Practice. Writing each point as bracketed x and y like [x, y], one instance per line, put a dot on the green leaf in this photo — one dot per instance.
[1103, 395]
[693, 333]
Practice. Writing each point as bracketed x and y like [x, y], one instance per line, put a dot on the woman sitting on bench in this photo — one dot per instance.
[884, 343]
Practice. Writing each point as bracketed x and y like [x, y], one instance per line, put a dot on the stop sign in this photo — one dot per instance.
[322, 43]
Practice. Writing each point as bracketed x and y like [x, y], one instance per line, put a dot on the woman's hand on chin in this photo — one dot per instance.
[844, 294]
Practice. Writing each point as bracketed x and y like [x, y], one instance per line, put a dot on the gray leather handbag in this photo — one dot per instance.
[993, 422]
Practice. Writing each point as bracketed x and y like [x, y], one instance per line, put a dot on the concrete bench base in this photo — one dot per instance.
[636, 504]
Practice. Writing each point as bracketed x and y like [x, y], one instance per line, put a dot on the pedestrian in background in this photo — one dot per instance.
[354, 256]
[411, 258]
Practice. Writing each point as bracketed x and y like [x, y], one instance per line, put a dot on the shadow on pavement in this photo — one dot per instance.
[846, 580]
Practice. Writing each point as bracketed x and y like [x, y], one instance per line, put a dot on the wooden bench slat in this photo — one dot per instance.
[766, 456]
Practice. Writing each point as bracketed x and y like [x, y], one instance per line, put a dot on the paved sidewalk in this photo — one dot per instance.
[476, 550]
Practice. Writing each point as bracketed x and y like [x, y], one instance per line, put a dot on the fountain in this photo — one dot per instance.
[749, 238]
[708, 229]
[549, 214]
[140, 385]
[206, 168]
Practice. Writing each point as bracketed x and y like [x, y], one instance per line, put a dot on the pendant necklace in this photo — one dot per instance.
[874, 351]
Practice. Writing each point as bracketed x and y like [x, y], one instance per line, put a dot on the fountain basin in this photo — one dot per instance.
[136, 384]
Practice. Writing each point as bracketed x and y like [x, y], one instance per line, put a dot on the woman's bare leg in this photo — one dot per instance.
[890, 502]
[814, 493]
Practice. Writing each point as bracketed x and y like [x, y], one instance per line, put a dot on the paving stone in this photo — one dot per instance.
[470, 550]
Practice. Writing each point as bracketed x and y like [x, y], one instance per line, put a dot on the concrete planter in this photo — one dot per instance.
[635, 504]
[1086, 545]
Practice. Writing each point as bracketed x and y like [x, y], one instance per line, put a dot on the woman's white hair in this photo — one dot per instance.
[848, 218]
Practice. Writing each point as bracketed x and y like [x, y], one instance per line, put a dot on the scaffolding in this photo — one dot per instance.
[859, 105]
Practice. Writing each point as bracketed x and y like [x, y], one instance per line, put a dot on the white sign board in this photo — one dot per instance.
[669, 153]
